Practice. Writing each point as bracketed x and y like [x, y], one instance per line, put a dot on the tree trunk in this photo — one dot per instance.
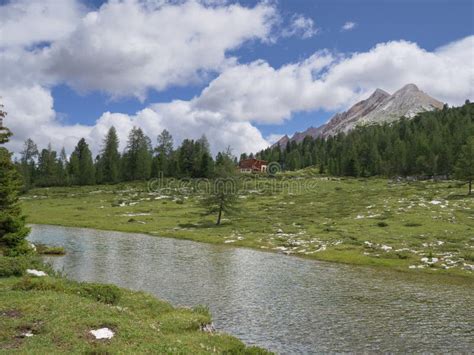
[220, 215]
[470, 187]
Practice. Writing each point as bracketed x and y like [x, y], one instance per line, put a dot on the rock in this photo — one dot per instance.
[207, 328]
[279, 231]
[385, 248]
[27, 334]
[102, 333]
[36, 272]
[468, 267]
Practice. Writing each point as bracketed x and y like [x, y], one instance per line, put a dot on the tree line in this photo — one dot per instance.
[139, 161]
[432, 143]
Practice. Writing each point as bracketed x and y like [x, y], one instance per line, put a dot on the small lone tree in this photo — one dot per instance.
[464, 169]
[223, 195]
[13, 231]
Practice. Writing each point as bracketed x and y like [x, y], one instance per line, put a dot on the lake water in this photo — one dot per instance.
[285, 304]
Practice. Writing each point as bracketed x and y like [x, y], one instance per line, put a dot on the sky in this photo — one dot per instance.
[243, 73]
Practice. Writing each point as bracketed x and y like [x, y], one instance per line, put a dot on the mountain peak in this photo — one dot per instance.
[379, 92]
[408, 88]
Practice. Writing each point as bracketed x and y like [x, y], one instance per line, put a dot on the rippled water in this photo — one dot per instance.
[285, 304]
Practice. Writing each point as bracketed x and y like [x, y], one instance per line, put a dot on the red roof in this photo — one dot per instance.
[254, 164]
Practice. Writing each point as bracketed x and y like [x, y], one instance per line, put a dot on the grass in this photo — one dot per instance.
[357, 221]
[141, 323]
[49, 250]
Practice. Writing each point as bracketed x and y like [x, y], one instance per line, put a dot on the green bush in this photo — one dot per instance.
[10, 266]
[109, 294]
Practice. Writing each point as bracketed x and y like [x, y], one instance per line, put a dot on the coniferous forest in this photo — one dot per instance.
[431, 144]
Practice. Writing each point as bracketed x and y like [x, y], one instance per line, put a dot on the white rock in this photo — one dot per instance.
[435, 202]
[385, 248]
[27, 334]
[36, 272]
[102, 333]
[229, 241]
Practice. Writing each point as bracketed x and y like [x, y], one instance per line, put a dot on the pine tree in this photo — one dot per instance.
[13, 230]
[109, 164]
[81, 164]
[138, 156]
[162, 164]
[29, 155]
[465, 164]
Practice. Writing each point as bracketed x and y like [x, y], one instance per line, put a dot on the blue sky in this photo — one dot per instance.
[428, 24]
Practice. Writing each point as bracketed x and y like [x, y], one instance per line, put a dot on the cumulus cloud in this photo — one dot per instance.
[154, 47]
[260, 93]
[26, 22]
[301, 26]
[348, 26]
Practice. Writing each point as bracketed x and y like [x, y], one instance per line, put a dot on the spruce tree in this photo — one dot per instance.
[13, 230]
[138, 156]
[81, 164]
[110, 158]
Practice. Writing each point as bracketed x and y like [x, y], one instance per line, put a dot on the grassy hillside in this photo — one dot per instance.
[54, 315]
[359, 221]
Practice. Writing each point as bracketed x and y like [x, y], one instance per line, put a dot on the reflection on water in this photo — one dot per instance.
[285, 304]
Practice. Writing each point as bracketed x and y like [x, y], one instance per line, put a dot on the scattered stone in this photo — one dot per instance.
[36, 272]
[27, 334]
[229, 241]
[207, 328]
[385, 248]
[102, 333]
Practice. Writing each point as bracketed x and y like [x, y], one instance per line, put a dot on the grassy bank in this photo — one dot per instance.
[412, 226]
[37, 316]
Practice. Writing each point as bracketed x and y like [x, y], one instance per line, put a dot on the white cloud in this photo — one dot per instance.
[26, 22]
[348, 26]
[154, 47]
[259, 93]
[301, 26]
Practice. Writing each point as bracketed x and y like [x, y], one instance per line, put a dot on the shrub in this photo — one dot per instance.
[382, 224]
[10, 266]
[109, 294]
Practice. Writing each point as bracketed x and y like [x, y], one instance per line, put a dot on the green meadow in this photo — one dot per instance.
[423, 227]
[36, 317]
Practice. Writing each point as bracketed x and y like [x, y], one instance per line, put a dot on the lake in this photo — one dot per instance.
[282, 303]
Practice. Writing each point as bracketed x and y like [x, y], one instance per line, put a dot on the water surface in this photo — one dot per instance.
[285, 304]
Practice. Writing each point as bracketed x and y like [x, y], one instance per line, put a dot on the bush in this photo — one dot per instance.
[109, 294]
[382, 224]
[10, 266]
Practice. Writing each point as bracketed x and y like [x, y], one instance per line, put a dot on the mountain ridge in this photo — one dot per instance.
[379, 107]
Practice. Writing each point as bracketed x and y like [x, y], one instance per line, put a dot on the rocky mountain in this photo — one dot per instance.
[380, 107]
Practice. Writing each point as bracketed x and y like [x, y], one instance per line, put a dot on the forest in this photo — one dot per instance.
[437, 143]
[430, 144]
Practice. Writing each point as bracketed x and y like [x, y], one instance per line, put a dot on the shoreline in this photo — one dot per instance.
[427, 274]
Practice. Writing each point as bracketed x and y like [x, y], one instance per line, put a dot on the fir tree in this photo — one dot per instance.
[81, 164]
[138, 156]
[109, 162]
[13, 230]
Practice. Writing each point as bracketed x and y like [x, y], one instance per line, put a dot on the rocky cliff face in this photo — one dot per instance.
[379, 108]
